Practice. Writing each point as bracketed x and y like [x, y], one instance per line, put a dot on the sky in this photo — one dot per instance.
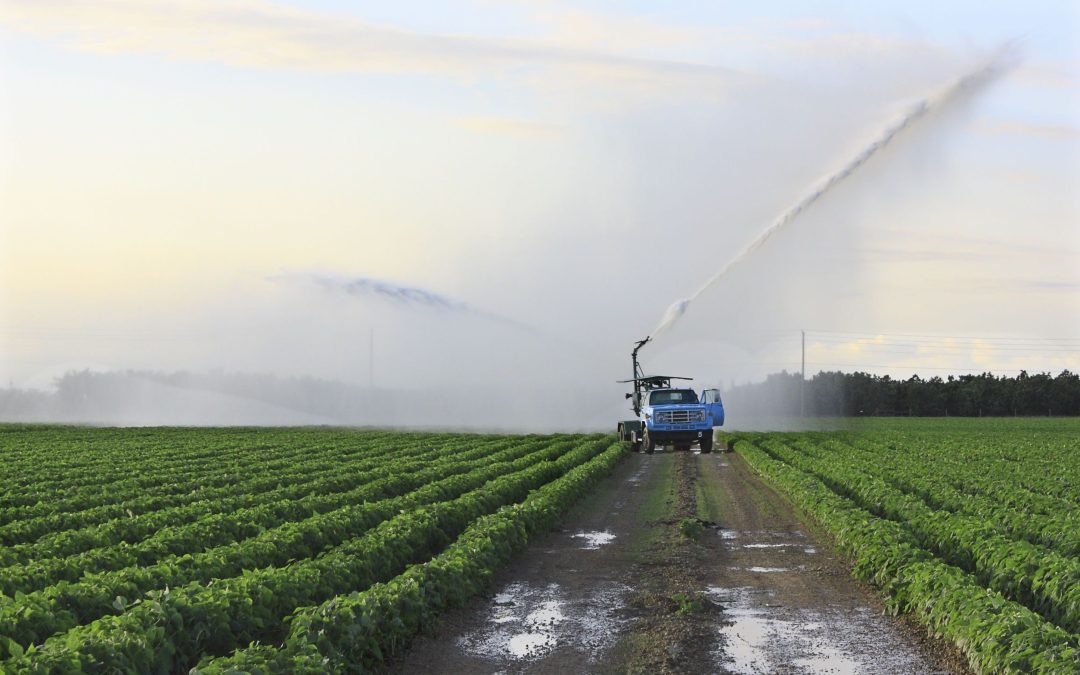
[236, 184]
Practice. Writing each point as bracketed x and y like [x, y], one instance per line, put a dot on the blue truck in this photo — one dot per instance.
[667, 415]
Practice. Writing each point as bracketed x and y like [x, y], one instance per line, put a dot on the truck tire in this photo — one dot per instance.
[648, 442]
[706, 444]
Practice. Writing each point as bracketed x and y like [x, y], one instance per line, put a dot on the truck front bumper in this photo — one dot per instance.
[675, 436]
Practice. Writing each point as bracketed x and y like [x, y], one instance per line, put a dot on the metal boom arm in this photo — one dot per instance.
[643, 383]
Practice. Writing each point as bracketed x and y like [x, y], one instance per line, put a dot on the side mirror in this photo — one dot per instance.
[628, 395]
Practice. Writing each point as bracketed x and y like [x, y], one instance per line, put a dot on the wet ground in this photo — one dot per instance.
[677, 563]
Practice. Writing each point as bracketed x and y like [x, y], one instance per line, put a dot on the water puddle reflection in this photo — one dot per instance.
[594, 540]
[528, 622]
[761, 637]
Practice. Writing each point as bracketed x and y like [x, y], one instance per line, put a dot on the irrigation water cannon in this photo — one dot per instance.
[668, 415]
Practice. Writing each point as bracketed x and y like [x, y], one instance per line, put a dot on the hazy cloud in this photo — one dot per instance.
[1045, 75]
[509, 126]
[256, 33]
[581, 28]
[1047, 131]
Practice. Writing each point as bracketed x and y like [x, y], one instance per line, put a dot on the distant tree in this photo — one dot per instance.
[852, 394]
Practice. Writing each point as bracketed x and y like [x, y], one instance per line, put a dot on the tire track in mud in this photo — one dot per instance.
[677, 563]
[561, 606]
[789, 603]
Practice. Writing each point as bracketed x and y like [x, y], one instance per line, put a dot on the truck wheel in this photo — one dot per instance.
[648, 442]
[706, 445]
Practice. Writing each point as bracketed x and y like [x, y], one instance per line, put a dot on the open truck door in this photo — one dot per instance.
[714, 407]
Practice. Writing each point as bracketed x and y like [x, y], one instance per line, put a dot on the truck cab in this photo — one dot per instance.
[680, 418]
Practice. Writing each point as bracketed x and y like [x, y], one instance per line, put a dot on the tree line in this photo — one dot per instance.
[853, 394]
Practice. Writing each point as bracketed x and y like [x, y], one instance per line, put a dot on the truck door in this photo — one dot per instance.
[714, 407]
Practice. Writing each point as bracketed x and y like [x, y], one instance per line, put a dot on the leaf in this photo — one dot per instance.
[14, 648]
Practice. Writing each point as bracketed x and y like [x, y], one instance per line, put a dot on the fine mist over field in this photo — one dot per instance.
[495, 274]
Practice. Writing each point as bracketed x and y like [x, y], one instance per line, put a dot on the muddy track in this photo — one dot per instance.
[677, 563]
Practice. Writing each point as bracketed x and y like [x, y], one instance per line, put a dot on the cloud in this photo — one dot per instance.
[1045, 75]
[258, 33]
[925, 356]
[511, 127]
[995, 127]
[581, 28]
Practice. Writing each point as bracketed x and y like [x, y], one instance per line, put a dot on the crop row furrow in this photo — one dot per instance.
[221, 472]
[1029, 462]
[48, 463]
[349, 472]
[35, 616]
[1058, 531]
[361, 629]
[170, 630]
[75, 484]
[384, 481]
[996, 634]
[146, 484]
[989, 480]
[1042, 580]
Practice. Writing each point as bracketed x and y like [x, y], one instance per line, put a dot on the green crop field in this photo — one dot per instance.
[158, 550]
[973, 525]
[315, 550]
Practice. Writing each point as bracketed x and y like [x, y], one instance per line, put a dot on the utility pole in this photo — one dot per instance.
[802, 378]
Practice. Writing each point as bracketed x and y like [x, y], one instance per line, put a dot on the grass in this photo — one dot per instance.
[709, 490]
[658, 507]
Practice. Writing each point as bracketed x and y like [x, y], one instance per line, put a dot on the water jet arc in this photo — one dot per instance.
[966, 85]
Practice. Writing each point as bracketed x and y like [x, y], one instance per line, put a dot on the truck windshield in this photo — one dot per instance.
[672, 396]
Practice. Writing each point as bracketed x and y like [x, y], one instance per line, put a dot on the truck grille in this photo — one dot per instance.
[680, 416]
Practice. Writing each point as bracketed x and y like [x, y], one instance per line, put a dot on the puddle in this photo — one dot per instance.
[829, 660]
[766, 538]
[761, 638]
[524, 645]
[547, 615]
[594, 540]
[528, 622]
[637, 477]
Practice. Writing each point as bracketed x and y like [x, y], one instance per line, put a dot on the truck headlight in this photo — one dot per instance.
[663, 417]
[698, 416]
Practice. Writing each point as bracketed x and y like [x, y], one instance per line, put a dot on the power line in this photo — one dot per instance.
[951, 337]
[945, 347]
[966, 370]
[1013, 342]
[886, 367]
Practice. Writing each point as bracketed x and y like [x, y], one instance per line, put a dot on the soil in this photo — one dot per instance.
[678, 563]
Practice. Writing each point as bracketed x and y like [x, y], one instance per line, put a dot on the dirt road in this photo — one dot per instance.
[678, 563]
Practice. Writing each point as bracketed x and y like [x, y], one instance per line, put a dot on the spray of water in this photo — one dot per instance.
[965, 86]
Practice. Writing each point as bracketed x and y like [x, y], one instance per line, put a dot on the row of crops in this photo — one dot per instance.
[973, 527]
[267, 550]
